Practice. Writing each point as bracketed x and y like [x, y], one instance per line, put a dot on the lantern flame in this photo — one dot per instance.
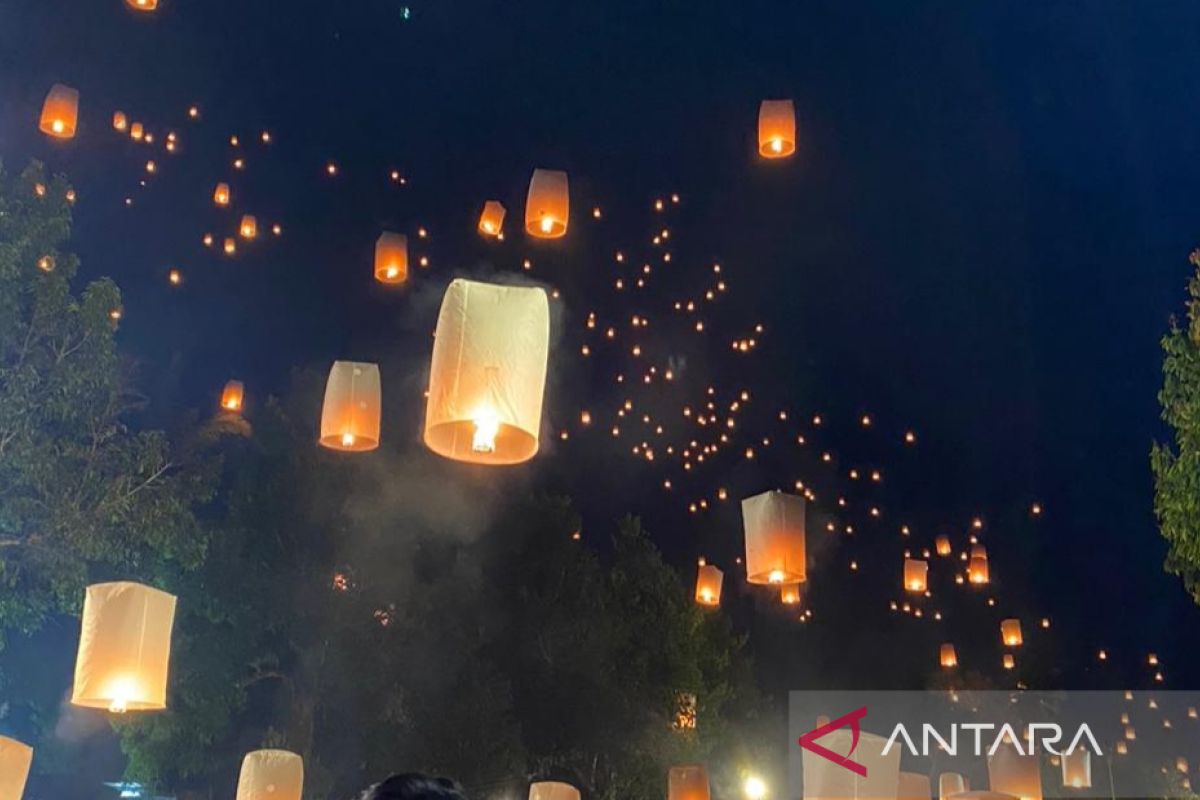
[777, 144]
[347, 439]
[487, 425]
[776, 576]
[547, 224]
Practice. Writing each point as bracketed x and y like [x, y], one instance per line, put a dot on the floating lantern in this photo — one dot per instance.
[547, 205]
[552, 790]
[120, 123]
[350, 416]
[913, 786]
[1010, 772]
[977, 570]
[688, 782]
[789, 594]
[774, 526]
[491, 221]
[124, 648]
[488, 373]
[229, 246]
[915, 573]
[221, 194]
[708, 585]
[60, 112]
[391, 258]
[1077, 768]
[1122, 748]
[1010, 632]
[947, 656]
[1181, 764]
[943, 546]
[248, 228]
[776, 129]
[142, 5]
[233, 396]
[15, 760]
[271, 775]
[951, 783]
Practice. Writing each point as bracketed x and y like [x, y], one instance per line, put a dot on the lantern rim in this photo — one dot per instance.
[787, 147]
[452, 439]
[361, 444]
[763, 578]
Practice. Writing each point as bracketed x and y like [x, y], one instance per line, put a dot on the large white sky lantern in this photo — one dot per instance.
[774, 523]
[15, 758]
[271, 775]
[488, 373]
[124, 648]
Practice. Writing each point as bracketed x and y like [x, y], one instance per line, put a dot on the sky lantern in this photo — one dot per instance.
[913, 786]
[1077, 768]
[137, 132]
[688, 782]
[947, 656]
[491, 220]
[391, 258]
[120, 123]
[233, 396]
[142, 5]
[350, 416]
[951, 783]
[977, 569]
[488, 373]
[1010, 772]
[1010, 632]
[915, 573]
[552, 790]
[248, 228]
[60, 112]
[547, 205]
[789, 594]
[124, 648]
[774, 527]
[271, 775]
[827, 780]
[943, 545]
[221, 194]
[15, 759]
[708, 585]
[776, 129]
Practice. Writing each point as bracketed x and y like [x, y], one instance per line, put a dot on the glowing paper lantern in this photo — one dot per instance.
[142, 5]
[915, 573]
[248, 228]
[977, 570]
[124, 648]
[951, 783]
[708, 585]
[60, 112]
[789, 594]
[391, 258]
[488, 373]
[15, 759]
[1077, 768]
[552, 790]
[774, 525]
[547, 206]
[491, 221]
[688, 782]
[1010, 632]
[232, 396]
[776, 129]
[947, 656]
[137, 132]
[1008, 661]
[913, 786]
[271, 775]
[1010, 772]
[221, 194]
[119, 121]
[350, 416]
[825, 780]
[943, 545]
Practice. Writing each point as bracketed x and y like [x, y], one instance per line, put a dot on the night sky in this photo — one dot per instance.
[982, 237]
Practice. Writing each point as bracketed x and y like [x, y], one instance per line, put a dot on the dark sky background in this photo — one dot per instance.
[982, 236]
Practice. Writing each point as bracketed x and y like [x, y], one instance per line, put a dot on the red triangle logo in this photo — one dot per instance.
[809, 741]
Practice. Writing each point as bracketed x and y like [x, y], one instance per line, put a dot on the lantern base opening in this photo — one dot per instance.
[458, 441]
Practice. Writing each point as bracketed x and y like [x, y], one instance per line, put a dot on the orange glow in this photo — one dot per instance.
[248, 229]
[708, 585]
[391, 258]
[776, 129]
[547, 205]
[1010, 632]
[221, 194]
[142, 5]
[915, 574]
[491, 220]
[947, 656]
[119, 122]
[688, 782]
[233, 396]
[350, 415]
[60, 112]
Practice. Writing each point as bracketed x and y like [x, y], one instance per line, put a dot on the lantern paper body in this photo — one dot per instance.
[1010, 632]
[688, 782]
[1010, 772]
[232, 396]
[249, 227]
[547, 206]
[271, 775]
[221, 194]
[977, 570]
[915, 573]
[15, 759]
[491, 220]
[951, 783]
[142, 5]
[774, 524]
[124, 648]
[776, 129]
[708, 585]
[488, 373]
[60, 112]
[943, 545]
[789, 594]
[119, 121]
[947, 656]
[136, 131]
[1077, 768]
[552, 790]
[391, 258]
[913, 786]
[350, 416]
[825, 780]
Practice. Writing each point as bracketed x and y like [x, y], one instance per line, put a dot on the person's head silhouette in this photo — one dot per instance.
[414, 786]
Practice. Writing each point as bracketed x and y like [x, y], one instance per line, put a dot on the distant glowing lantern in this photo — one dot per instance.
[547, 206]
[229, 246]
[221, 194]
[271, 775]
[552, 790]
[124, 648]
[915, 574]
[15, 759]
[491, 221]
[947, 656]
[688, 782]
[1077, 768]
[977, 570]
[391, 258]
[789, 594]
[142, 5]
[776, 129]
[248, 229]
[1010, 632]
[1008, 661]
[943, 546]
[233, 396]
[913, 786]
[774, 527]
[120, 123]
[60, 112]
[488, 373]
[350, 416]
[950, 783]
[1010, 772]
[708, 585]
